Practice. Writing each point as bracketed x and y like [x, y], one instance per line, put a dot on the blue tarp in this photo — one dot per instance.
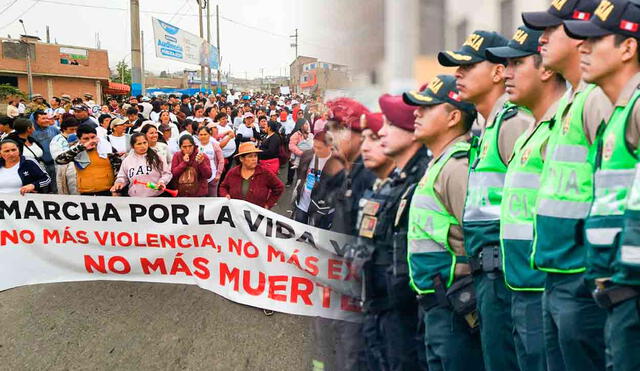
[168, 91]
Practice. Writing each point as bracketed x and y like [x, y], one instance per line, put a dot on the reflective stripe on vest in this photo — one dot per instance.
[614, 177]
[486, 176]
[566, 191]
[429, 252]
[628, 265]
[518, 209]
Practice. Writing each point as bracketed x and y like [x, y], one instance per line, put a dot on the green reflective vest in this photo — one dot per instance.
[517, 210]
[614, 175]
[429, 253]
[627, 265]
[566, 192]
[481, 221]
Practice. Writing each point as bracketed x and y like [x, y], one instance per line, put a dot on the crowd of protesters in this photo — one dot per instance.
[230, 145]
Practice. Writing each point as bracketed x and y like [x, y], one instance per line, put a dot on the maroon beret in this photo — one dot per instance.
[372, 121]
[347, 111]
[397, 111]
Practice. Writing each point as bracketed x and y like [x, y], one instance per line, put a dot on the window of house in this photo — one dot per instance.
[74, 56]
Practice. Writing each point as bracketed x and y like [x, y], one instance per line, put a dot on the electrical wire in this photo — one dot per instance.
[21, 14]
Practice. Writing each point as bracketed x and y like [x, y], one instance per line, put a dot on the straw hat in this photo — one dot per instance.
[246, 148]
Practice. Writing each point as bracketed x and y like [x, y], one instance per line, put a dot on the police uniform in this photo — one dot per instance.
[611, 263]
[505, 123]
[389, 304]
[437, 259]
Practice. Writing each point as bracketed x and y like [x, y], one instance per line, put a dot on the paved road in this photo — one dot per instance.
[144, 326]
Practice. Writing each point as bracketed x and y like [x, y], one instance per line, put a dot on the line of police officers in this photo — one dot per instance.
[518, 249]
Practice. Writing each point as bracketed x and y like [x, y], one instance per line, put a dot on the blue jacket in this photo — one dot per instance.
[30, 172]
[44, 136]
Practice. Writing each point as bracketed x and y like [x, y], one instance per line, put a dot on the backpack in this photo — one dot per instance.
[188, 184]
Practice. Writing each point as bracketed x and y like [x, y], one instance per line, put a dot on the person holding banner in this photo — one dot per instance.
[143, 165]
[250, 181]
[20, 174]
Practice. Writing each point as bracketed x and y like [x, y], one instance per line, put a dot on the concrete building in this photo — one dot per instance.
[309, 75]
[413, 31]
[296, 70]
[56, 69]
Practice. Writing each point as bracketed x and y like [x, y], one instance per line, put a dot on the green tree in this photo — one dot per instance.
[7, 91]
[123, 73]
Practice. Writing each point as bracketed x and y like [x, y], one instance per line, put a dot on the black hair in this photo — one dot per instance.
[6, 120]
[208, 110]
[145, 129]
[85, 129]
[21, 125]
[153, 159]
[197, 107]
[273, 126]
[69, 122]
[156, 106]
[188, 137]
[262, 118]
[132, 111]
[103, 117]
[208, 130]
[37, 114]
[618, 39]
[56, 99]
[219, 116]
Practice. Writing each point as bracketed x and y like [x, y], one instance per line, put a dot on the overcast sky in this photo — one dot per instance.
[253, 33]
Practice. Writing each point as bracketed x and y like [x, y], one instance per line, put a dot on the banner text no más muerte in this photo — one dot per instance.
[245, 253]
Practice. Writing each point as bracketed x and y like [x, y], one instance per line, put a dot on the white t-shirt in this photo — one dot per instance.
[154, 116]
[211, 154]
[33, 151]
[313, 176]
[119, 143]
[102, 132]
[10, 181]
[230, 148]
[245, 131]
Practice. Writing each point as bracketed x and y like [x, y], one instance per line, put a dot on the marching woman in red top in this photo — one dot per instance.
[251, 182]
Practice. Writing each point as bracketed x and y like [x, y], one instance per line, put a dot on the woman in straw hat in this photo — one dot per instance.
[251, 182]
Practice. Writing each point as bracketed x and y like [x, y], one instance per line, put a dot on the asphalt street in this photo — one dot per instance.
[144, 326]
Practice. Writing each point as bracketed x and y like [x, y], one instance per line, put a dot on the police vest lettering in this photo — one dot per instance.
[140, 170]
[517, 210]
[613, 179]
[566, 191]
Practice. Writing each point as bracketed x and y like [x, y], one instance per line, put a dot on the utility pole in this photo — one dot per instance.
[25, 40]
[209, 44]
[136, 58]
[219, 87]
[48, 38]
[295, 43]
[144, 90]
[201, 37]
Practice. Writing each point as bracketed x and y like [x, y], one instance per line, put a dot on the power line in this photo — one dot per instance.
[8, 6]
[183, 15]
[20, 16]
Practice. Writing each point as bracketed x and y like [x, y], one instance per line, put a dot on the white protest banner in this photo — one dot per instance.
[174, 43]
[284, 90]
[245, 253]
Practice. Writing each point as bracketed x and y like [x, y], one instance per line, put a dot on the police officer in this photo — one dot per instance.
[480, 81]
[66, 103]
[531, 85]
[343, 183]
[573, 323]
[381, 165]
[610, 60]
[388, 302]
[438, 266]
